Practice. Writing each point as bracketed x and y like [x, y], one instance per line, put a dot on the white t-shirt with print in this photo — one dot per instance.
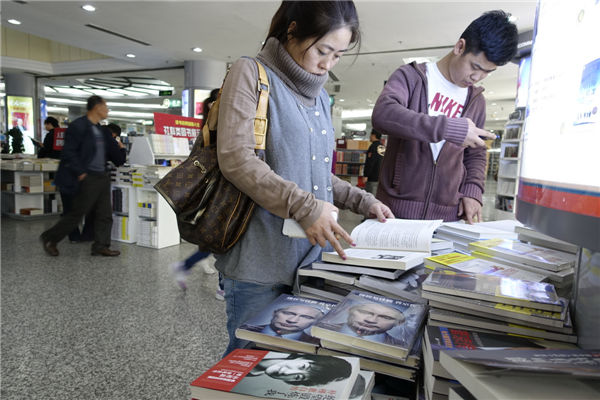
[444, 98]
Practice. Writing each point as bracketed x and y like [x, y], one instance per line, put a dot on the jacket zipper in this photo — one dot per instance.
[430, 186]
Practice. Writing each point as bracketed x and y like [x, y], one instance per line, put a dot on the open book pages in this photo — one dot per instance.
[541, 296]
[466, 263]
[395, 234]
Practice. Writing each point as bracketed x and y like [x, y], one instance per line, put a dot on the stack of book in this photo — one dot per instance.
[461, 234]
[250, 374]
[540, 374]
[384, 333]
[528, 235]
[496, 303]
[438, 380]
[559, 266]
[324, 281]
[386, 261]
[465, 263]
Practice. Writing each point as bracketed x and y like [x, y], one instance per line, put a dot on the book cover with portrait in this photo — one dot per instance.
[285, 323]
[372, 322]
[245, 373]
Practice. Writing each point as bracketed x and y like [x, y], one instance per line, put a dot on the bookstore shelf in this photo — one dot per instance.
[509, 166]
[30, 194]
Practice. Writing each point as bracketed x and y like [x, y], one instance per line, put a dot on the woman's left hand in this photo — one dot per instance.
[380, 211]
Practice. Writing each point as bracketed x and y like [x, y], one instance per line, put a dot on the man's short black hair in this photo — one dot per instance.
[52, 121]
[493, 34]
[114, 128]
[93, 101]
[377, 134]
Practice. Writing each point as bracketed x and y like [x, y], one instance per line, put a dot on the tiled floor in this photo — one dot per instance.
[77, 326]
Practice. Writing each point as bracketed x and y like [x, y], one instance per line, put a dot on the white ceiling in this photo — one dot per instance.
[226, 30]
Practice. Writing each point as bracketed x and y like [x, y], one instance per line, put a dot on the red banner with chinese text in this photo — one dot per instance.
[59, 138]
[176, 125]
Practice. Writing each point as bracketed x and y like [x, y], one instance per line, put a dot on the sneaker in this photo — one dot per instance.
[220, 294]
[179, 273]
[207, 265]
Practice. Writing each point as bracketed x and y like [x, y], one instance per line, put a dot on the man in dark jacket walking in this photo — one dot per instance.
[82, 170]
[433, 114]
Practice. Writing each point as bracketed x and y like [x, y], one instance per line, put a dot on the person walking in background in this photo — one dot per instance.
[433, 115]
[48, 151]
[82, 171]
[373, 162]
[305, 40]
[181, 269]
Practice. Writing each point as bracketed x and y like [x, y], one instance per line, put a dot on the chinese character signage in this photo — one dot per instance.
[59, 138]
[176, 125]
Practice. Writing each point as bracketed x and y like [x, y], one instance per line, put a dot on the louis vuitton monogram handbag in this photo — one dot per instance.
[211, 211]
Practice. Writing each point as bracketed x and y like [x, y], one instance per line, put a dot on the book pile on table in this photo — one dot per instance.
[250, 374]
[438, 380]
[497, 303]
[387, 260]
[461, 234]
[383, 333]
[559, 266]
[536, 374]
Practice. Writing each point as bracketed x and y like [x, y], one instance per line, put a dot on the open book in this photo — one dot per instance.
[396, 244]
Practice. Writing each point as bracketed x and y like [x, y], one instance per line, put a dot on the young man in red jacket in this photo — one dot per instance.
[433, 114]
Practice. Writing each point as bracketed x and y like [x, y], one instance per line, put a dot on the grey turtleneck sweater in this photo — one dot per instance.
[235, 141]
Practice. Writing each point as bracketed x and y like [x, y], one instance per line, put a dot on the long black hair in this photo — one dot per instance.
[314, 19]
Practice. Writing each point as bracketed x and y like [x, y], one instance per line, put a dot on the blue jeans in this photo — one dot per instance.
[242, 301]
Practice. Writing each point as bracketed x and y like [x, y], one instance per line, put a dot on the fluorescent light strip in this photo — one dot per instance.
[129, 114]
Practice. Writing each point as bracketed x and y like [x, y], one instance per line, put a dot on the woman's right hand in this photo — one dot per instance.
[326, 229]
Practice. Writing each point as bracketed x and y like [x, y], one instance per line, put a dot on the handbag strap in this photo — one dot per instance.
[260, 120]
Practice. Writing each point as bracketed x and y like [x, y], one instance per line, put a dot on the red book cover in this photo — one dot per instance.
[248, 374]
[229, 371]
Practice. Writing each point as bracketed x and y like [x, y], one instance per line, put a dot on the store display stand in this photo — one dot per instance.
[509, 167]
[29, 193]
[124, 217]
[156, 221]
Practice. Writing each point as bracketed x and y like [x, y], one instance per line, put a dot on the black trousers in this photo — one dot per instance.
[87, 233]
[93, 194]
